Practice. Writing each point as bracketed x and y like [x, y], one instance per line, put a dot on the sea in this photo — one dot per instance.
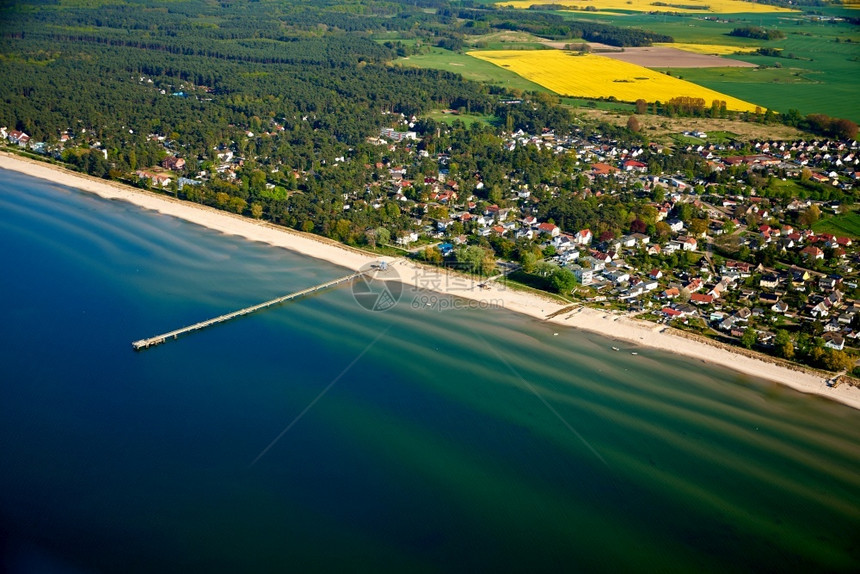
[327, 435]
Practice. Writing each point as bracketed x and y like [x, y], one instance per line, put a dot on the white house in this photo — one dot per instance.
[584, 237]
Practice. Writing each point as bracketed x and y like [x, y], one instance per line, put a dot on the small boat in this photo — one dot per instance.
[615, 349]
[634, 353]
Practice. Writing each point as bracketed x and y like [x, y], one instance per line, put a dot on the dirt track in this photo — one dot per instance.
[665, 57]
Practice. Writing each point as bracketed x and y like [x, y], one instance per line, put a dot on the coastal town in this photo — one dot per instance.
[747, 252]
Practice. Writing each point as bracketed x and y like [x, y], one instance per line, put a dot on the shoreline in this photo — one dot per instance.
[427, 278]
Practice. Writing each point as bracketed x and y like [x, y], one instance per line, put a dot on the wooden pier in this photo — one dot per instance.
[158, 339]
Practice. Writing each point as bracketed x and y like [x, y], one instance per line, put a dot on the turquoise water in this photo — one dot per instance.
[468, 440]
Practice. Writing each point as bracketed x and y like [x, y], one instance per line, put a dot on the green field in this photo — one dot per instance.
[470, 68]
[824, 76]
[467, 119]
[842, 225]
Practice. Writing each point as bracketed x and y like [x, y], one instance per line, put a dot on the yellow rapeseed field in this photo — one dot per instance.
[709, 49]
[592, 76]
[707, 6]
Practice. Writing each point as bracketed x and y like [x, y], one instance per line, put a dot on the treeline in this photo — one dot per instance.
[555, 27]
[757, 33]
[836, 128]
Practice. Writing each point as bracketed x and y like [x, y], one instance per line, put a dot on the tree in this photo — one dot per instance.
[476, 259]
[835, 360]
[749, 338]
[528, 260]
[431, 254]
[633, 125]
[563, 280]
[641, 107]
[783, 345]
[638, 226]
[383, 236]
[809, 216]
[698, 227]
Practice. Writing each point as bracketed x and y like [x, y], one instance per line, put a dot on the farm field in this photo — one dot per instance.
[827, 64]
[847, 224]
[711, 49]
[682, 6]
[669, 56]
[593, 76]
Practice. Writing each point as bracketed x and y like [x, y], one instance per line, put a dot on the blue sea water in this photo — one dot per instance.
[320, 436]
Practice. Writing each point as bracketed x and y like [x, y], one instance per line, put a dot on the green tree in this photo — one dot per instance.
[563, 280]
[809, 216]
[749, 338]
[783, 345]
[476, 259]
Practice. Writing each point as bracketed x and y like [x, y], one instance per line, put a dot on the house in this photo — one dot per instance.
[159, 179]
[827, 283]
[670, 293]
[407, 238]
[671, 313]
[655, 274]
[627, 241]
[676, 225]
[812, 252]
[563, 242]
[173, 163]
[603, 169]
[769, 281]
[19, 138]
[688, 243]
[701, 299]
[779, 307]
[584, 237]
[549, 229]
[584, 275]
[769, 298]
[633, 165]
[617, 276]
[641, 238]
[834, 341]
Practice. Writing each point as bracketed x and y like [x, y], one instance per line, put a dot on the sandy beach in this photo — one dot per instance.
[611, 325]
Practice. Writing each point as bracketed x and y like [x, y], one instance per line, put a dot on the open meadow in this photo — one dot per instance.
[470, 68]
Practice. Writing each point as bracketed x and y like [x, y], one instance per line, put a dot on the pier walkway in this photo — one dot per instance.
[158, 339]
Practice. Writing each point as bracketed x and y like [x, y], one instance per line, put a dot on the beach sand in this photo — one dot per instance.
[612, 325]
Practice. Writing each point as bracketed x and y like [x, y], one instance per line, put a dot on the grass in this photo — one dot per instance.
[847, 224]
[467, 119]
[470, 68]
[787, 189]
[605, 105]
